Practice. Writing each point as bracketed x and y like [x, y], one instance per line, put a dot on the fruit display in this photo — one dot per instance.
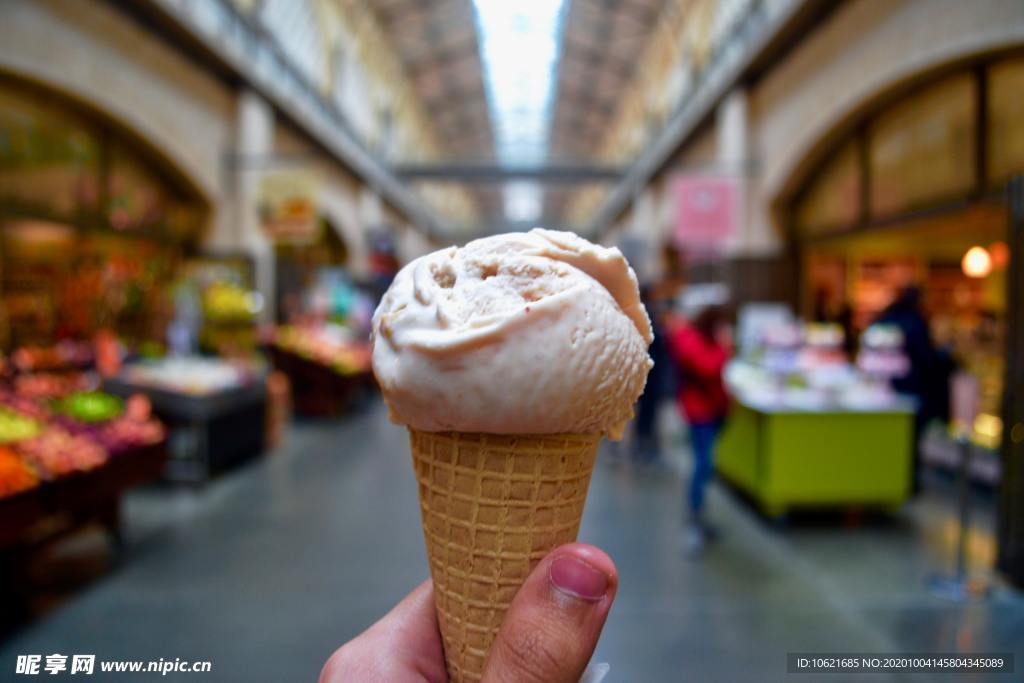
[54, 422]
[91, 407]
[48, 385]
[15, 475]
[138, 407]
[56, 452]
[329, 345]
[228, 302]
[65, 354]
[79, 434]
[16, 427]
[28, 407]
[126, 433]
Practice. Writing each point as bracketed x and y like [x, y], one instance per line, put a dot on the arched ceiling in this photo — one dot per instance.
[448, 48]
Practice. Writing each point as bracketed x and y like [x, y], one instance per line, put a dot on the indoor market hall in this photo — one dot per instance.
[477, 341]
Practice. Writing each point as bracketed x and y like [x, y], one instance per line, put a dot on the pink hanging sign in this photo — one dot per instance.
[706, 210]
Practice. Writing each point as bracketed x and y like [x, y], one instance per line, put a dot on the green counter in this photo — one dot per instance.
[790, 458]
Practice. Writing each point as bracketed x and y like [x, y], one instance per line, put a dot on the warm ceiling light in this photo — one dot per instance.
[977, 262]
[1000, 255]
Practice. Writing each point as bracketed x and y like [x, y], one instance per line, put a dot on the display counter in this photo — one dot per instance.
[785, 457]
[36, 516]
[327, 371]
[214, 423]
[69, 501]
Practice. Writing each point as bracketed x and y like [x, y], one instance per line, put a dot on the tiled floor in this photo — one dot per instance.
[267, 570]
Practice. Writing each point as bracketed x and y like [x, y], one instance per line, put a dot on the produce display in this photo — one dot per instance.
[57, 452]
[25, 406]
[16, 427]
[125, 433]
[90, 407]
[15, 474]
[229, 302]
[333, 346]
[43, 437]
[46, 385]
[62, 355]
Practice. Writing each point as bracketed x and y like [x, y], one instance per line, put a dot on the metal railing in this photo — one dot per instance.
[751, 25]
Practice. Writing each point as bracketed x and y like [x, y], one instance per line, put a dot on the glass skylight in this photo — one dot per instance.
[519, 46]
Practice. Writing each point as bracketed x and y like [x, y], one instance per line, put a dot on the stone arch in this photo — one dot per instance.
[837, 93]
[163, 157]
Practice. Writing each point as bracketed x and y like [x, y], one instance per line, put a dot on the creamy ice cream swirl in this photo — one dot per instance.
[523, 333]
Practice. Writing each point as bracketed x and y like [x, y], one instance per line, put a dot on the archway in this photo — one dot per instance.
[895, 195]
[93, 219]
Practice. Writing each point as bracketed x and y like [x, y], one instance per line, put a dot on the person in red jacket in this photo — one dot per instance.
[700, 352]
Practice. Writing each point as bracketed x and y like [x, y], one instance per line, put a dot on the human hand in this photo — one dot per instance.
[549, 632]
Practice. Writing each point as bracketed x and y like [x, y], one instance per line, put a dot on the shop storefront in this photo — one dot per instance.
[93, 222]
[913, 193]
[100, 278]
[321, 342]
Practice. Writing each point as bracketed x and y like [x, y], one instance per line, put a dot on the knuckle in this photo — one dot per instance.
[533, 654]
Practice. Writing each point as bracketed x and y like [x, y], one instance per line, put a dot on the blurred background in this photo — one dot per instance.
[201, 202]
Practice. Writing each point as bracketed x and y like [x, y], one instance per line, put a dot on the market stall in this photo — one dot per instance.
[887, 206]
[786, 457]
[809, 429]
[327, 368]
[215, 410]
[66, 461]
[964, 303]
[323, 346]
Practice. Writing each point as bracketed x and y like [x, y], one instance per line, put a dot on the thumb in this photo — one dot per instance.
[552, 625]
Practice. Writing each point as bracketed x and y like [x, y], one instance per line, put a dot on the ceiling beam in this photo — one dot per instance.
[488, 173]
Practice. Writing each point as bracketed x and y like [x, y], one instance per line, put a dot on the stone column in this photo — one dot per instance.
[732, 157]
[254, 141]
[1011, 490]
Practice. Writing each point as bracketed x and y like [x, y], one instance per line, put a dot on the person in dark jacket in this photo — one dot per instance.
[927, 378]
[646, 447]
[698, 350]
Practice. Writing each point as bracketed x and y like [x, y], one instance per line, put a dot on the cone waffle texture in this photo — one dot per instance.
[493, 506]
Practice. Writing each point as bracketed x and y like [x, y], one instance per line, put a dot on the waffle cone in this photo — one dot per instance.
[493, 506]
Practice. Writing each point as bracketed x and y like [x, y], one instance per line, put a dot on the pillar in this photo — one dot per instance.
[254, 141]
[1011, 491]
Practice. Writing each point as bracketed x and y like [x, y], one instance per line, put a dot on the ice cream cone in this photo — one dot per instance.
[492, 507]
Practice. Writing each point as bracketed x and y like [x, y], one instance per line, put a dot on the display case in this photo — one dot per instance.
[215, 411]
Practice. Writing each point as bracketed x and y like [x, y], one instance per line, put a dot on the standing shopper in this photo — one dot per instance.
[646, 444]
[929, 371]
[700, 352]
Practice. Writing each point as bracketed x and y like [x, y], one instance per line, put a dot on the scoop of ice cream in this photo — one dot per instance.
[522, 333]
